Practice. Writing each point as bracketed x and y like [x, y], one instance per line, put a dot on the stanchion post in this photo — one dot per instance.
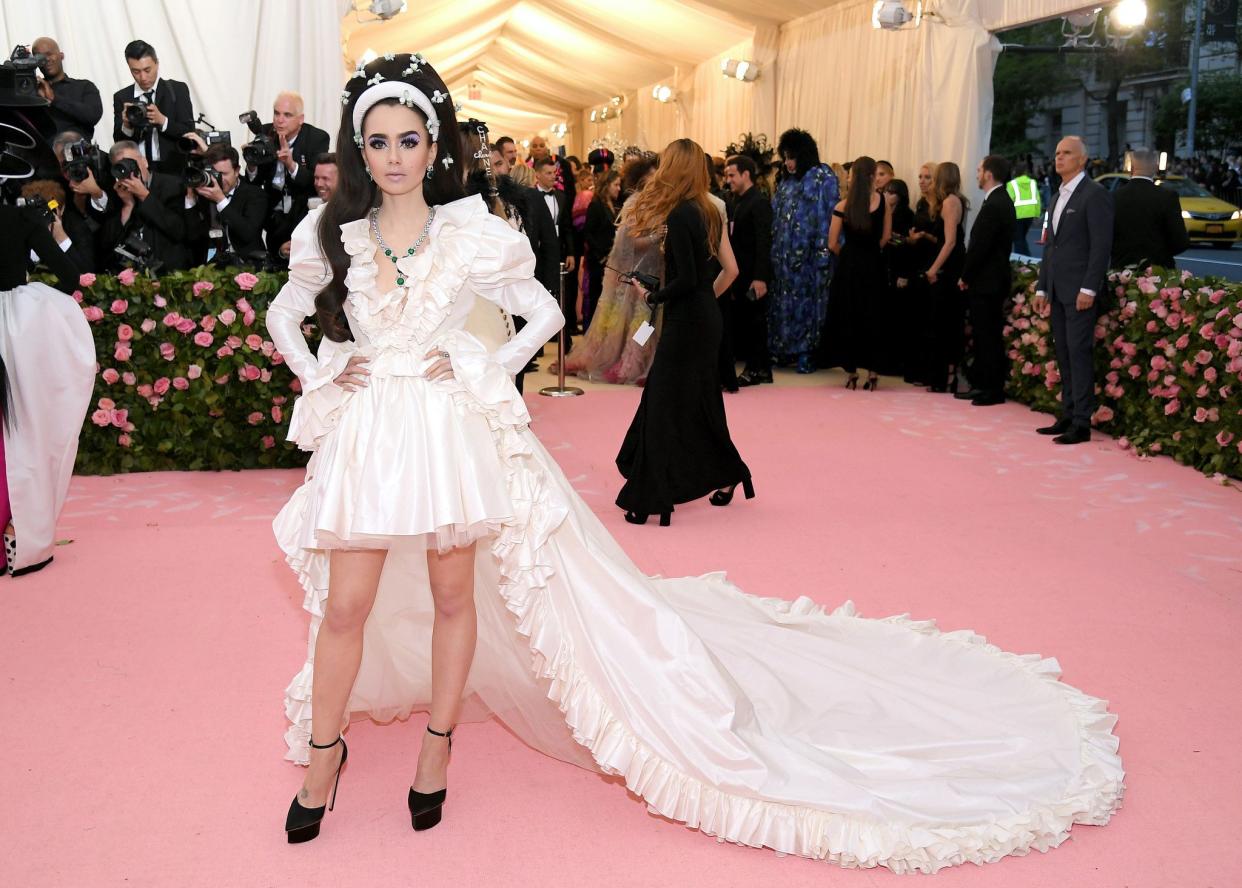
[559, 390]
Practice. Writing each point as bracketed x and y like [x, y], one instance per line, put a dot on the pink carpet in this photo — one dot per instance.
[144, 670]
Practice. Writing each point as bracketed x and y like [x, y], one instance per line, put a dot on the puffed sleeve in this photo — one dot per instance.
[309, 272]
[503, 272]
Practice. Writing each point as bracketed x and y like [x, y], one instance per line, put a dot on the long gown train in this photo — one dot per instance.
[762, 721]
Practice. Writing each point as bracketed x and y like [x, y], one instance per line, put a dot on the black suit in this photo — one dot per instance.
[751, 238]
[161, 220]
[1148, 229]
[555, 245]
[988, 278]
[287, 199]
[1076, 258]
[172, 97]
[241, 222]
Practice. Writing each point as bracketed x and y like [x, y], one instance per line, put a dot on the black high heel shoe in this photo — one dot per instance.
[852, 382]
[302, 824]
[724, 497]
[872, 384]
[666, 518]
[426, 808]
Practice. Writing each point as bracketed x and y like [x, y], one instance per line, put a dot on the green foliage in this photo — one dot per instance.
[1022, 84]
[175, 403]
[1168, 365]
[1218, 117]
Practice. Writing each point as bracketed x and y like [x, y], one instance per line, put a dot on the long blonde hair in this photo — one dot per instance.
[946, 181]
[682, 176]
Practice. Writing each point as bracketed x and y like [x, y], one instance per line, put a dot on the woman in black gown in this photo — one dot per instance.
[859, 287]
[948, 304]
[899, 268]
[922, 247]
[678, 447]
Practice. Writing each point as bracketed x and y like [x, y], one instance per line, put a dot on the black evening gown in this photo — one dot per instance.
[678, 447]
[918, 331]
[948, 308]
[859, 294]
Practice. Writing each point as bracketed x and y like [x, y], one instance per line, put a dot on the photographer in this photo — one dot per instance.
[288, 172]
[230, 211]
[325, 176]
[81, 164]
[147, 217]
[74, 104]
[70, 230]
[154, 113]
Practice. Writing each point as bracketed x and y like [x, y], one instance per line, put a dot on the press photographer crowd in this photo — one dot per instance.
[172, 191]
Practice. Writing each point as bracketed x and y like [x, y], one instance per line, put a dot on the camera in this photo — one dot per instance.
[21, 75]
[23, 59]
[136, 117]
[137, 251]
[124, 168]
[210, 137]
[40, 208]
[82, 159]
[200, 174]
[263, 149]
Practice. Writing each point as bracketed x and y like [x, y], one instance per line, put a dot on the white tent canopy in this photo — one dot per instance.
[908, 96]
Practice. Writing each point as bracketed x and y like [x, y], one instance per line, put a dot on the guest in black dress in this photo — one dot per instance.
[857, 305]
[678, 447]
[599, 232]
[900, 270]
[948, 305]
[922, 247]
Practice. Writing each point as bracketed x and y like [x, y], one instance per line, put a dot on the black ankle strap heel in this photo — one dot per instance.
[302, 824]
[426, 808]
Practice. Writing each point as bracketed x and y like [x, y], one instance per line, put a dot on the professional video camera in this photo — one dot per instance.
[20, 74]
[124, 168]
[263, 149]
[199, 174]
[82, 159]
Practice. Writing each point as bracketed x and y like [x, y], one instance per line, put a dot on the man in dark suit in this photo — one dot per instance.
[1072, 276]
[148, 207]
[167, 108]
[987, 278]
[290, 179]
[750, 232]
[1148, 228]
[231, 212]
[552, 203]
[75, 103]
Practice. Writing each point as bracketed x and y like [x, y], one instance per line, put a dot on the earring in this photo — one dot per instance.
[369, 176]
[431, 170]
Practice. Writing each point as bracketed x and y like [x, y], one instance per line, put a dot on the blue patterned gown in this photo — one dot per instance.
[801, 263]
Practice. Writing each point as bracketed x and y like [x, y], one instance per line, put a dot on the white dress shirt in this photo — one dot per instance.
[1065, 192]
[139, 92]
[554, 207]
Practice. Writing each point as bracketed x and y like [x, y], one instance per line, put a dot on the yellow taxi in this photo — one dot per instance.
[1208, 219]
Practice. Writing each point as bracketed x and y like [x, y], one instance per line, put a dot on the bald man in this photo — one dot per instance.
[290, 180]
[1072, 278]
[75, 104]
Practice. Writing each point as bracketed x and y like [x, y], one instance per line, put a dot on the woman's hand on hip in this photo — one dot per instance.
[441, 369]
[355, 374]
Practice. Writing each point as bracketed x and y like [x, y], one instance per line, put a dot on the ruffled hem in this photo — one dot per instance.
[317, 410]
[525, 571]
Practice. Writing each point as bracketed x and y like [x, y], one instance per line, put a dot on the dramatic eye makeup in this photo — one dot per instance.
[409, 141]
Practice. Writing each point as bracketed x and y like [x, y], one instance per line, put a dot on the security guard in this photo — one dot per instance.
[1024, 192]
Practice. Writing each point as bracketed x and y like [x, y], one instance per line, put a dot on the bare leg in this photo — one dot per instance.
[452, 650]
[354, 581]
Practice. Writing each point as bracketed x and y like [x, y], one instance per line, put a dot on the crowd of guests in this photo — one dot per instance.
[168, 196]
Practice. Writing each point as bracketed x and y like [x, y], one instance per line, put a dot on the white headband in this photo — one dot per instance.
[410, 96]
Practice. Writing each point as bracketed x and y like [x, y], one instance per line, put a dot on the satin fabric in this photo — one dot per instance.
[48, 349]
[765, 722]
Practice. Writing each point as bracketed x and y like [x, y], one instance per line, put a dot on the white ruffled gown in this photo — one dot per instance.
[762, 721]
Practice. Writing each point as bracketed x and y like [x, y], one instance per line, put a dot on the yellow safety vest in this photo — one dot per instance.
[1025, 195]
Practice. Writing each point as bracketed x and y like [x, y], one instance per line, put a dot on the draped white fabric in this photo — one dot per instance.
[234, 54]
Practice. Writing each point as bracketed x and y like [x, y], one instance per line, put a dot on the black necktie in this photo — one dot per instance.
[149, 134]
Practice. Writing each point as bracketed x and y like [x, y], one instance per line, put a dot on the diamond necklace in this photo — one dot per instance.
[388, 251]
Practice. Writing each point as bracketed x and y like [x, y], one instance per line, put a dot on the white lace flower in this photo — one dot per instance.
[389, 56]
[406, 99]
[344, 97]
[448, 161]
[457, 106]
[376, 79]
[438, 97]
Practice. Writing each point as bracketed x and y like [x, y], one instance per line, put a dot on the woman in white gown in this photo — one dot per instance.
[762, 721]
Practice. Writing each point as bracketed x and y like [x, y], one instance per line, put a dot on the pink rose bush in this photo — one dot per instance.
[1168, 365]
[187, 378]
